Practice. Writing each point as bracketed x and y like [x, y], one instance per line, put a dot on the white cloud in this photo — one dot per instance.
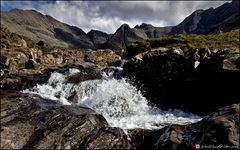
[109, 15]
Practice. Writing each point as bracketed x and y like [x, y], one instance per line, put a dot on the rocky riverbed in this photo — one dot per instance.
[29, 121]
[202, 82]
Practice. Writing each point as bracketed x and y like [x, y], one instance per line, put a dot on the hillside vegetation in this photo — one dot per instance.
[186, 41]
[12, 40]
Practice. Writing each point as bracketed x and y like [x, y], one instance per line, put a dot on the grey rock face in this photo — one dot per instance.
[221, 128]
[171, 79]
[98, 38]
[30, 122]
[124, 36]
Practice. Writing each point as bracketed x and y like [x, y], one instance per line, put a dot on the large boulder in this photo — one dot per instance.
[87, 72]
[136, 48]
[171, 79]
[152, 70]
[31, 122]
[217, 130]
[221, 128]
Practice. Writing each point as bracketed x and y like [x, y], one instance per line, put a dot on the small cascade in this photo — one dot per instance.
[112, 96]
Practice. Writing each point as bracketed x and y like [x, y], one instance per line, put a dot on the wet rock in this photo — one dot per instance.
[221, 59]
[171, 79]
[142, 138]
[27, 78]
[86, 73]
[231, 59]
[237, 62]
[119, 63]
[170, 137]
[203, 53]
[154, 69]
[30, 122]
[108, 138]
[136, 48]
[167, 138]
[113, 72]
[217, 129]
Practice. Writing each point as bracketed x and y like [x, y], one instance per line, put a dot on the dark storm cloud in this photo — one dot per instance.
[109, 15]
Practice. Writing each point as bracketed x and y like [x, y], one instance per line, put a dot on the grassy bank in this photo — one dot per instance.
[186, 41]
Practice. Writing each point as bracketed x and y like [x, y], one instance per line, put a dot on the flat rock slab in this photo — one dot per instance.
[31, 122]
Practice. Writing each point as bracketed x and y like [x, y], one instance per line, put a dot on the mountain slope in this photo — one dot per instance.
[98, 38]
[222, 18]
[124, 36]
[154, 32]
[38, 27]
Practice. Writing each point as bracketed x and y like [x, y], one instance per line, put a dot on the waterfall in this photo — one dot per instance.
[115, 98]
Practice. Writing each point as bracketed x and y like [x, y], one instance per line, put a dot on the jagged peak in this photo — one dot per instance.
[124, 26]
[198, 11]
[96, 31]
[143, 25]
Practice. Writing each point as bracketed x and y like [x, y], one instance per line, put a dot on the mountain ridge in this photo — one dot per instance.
[37, 26]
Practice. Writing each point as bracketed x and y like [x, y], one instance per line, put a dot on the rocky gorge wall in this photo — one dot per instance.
[200, 81]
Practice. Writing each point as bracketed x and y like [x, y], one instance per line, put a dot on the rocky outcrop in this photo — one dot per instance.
[102, 57]
[217, 130]
[30, 122]
[191, 81]
[86, 73]
[23, 67]
[152, 70]
[136, 48]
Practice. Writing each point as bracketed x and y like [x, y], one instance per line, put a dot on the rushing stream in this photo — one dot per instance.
[116, 99]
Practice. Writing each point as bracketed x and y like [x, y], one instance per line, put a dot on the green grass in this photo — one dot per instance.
[191, 41]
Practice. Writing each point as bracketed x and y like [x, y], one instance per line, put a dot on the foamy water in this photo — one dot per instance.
[116, 99]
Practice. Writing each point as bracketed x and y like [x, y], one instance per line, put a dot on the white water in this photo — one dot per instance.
[117, 100]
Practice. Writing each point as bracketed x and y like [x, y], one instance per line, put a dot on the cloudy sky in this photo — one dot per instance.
[109, 15]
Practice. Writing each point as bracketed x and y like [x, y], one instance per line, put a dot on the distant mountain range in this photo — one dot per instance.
[37, 26]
